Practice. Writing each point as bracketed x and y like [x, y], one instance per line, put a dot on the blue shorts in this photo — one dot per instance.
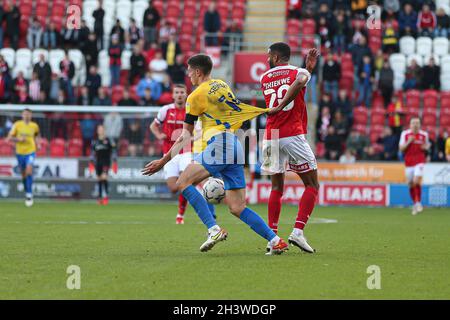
[224, 157]
[25, 160]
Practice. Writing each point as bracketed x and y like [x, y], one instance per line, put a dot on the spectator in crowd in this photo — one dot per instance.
[88, 126]
[67, 72]
[211, 25]
[166, 30]
[358, 52]
[44, 72]
[2, 18]
[440, 147]
[359, 7]
[311, 88]
[44, 99]
[135, 137]
[99, 15]
[177, 72]
[333, 144]
[149, 54]
[396, 114]
[389, 39]
[331, 73]
[113, 124]
[431, 76]
[102, 98]
[54, 87]
[294, 8]
[12, 23]
[323, 122]
[4, 89]
[69, 36]
[232, 38]
[83, 34]
[391, 8]
[90, 51]
[158, 67]
[34, 34]
[50, 36]
[34, 87]
[137, 65]
[126, 99]
[133, 34]
[413, 76]
[357, 142]
[4, 68]
[357, 33]
[325, 101]
[340, 125]
[442, 23]
[324, 12]
[323, 30]
[386, 82]
[340, 32]
[115, 62]
[19, 83]
[347, 157]
[153, 85]
[426, 21]
[150, 22]
[370, 153]
[170, 49]
[118, 30]
[390, 145]
[366, 78]
[22, 97]
[61, 100]
[344, 106]
[93, 83]
[83, 98]
[407, 21]
[147, 99]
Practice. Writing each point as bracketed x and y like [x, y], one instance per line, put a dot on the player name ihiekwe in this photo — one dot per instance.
[276, 83]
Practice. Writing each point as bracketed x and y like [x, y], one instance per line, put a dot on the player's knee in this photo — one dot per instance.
[236, 207]
[173, 187]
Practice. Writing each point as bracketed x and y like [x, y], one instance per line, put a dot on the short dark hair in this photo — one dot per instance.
[282, 49]
[202, 62]
[27, 109]
[179, 85]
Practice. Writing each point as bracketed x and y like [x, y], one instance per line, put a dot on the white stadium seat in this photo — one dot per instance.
[407, 45]
[9, 55]
[437, 59]
[439, 3]
[424, 45]
[445, 64]
[54, 58]
[445, 82]
[23, 60]
[103, 60]
[397, 62]
[139, 8]
[37, 53]
[446, 8]
[88, 8]
[25, 70]
[77, 58]
[440, 46]
[417, 57]
[125, 58]
[398, 81]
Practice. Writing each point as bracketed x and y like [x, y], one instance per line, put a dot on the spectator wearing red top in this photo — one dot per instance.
[19, 83]
[115, 53]
[426, 21]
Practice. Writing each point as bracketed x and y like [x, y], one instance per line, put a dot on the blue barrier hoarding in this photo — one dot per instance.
[432, 195]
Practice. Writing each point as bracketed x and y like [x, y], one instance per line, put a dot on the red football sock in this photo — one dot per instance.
[418, 193]
[306, 206]
[274, 209]
[182, 202]
[412, 193]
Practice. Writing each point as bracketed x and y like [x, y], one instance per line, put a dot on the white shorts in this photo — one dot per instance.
[174, 167]
[292, 152]
[412, 172]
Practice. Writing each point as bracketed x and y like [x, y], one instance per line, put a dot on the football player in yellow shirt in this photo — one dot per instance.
[447, 149]
[25, 134]
[220, 113]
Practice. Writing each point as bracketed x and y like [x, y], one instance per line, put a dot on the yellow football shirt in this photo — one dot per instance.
[28, 131]
[218, 110]
[447, 146]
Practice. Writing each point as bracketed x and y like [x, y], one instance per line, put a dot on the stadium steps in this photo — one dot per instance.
[258, 32]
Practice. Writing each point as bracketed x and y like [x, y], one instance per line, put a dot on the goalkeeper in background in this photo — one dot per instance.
[103, 154]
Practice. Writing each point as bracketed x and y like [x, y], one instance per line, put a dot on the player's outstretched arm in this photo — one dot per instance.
[156, 130]
[184, 139]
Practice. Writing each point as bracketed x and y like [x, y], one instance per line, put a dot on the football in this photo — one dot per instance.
[214, 190]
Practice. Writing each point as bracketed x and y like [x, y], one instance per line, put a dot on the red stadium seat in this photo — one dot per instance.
[26, 9]
[361, 128]
[57, 147]
[123, 147]
[238, 13]
[172, 12]
[413, 99]
[293, 26]
[308, 26]
[430, 99]
[320, 149]
[189, 12]
[58, 10]
[75, 148]
[187, 27]
[429, 119]
[445, 100]
[360, 115]
[293, 42]
[6, 148]
[377, 102]
[431, 130]
[42, 151]
[116, 94]
[377, 118]
[444, 120]
[375, 132]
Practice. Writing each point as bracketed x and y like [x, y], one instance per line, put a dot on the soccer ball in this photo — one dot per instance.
[214, 190]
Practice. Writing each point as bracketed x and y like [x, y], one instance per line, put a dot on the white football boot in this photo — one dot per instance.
[299, 241]
[29, 201]
[213, 238]
[419, 207]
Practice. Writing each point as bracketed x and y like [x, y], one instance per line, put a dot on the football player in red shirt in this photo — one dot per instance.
[414, 144]
[167, 127]
[285, 141]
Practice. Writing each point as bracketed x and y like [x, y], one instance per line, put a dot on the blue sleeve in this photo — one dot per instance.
[156, 90]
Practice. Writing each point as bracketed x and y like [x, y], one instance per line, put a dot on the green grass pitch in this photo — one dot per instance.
[135, 251]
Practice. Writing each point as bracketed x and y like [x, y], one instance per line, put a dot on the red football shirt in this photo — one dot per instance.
[414, 154]
[171, 119]
[293, 119]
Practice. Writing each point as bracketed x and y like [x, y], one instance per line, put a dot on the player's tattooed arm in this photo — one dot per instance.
[183, 140]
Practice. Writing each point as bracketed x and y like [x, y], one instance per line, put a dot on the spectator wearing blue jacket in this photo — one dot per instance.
[148, 82]
[407, 21]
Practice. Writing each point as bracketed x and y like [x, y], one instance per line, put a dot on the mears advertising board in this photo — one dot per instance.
[352, 194]
[43, 168]
[292, 192]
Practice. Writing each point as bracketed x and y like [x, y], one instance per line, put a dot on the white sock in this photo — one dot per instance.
[29, 195]
[179, 216]
[297, 232]
[214, 229]
[274, 241]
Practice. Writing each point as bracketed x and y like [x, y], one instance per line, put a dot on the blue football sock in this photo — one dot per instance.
[29, 184]
[257, 224]
[212, 209]
[200, 206]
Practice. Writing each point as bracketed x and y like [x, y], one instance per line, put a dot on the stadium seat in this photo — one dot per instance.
[125, 58]
[189, 11]
[377, 117]
[413, 99]
[424, 45]
[37, 53]
[308, 26]
[445, 101]
[360, 115]
[444, 120]
[138, 10]
[375, 132]
[54, 58]
[9, 55]
[430, 99]
[445, 64]
[293, 27]
[6, 148]
[407, 45]
[442, 3]
[42, 151]
[417, 57]
[116, 94]
[123, 148]
[398, 62]
[429, 118]
[75, 148]
[77, 58]
[320, 149]
[431, 130]
[437, 59]
[440, 46]
[445, 81]
[57, 147]
[361, 128]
